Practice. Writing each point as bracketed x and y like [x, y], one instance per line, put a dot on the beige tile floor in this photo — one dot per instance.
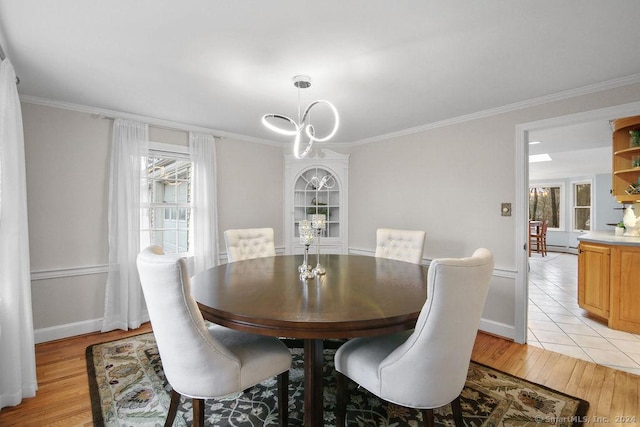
[556, 322]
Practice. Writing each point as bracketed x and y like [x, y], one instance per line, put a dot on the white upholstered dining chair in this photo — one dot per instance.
[425, 368]
[249, 243]
[402, 245]
[203, 362]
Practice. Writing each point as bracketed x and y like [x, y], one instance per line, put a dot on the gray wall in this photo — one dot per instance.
[67, 156]
[449, 181]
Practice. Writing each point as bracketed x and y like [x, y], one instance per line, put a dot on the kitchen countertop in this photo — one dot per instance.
[610, 238]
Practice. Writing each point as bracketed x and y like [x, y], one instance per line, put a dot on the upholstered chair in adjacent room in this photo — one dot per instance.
[203, 362]
[402, 245]
[425, 368]
[248, 243]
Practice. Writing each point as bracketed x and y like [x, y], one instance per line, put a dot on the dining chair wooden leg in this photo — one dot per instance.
[427, 416]
[198, 412]
[173, 408]
[456, 408]
[342, 395]
[283, 398]
[532, 240]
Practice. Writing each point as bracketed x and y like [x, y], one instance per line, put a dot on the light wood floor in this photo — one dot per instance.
[63, 391]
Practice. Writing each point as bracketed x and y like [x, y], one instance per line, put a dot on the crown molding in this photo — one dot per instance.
[103, 113]
[559, 96]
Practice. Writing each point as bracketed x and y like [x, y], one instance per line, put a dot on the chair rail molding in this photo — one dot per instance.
[59, 273]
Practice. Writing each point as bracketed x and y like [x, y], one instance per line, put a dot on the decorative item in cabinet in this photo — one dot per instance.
[317, 208]
[626, 149]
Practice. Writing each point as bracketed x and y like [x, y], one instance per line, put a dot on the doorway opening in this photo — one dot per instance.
[523, 138]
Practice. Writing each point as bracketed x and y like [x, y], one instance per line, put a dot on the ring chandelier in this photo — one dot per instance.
[303, 127]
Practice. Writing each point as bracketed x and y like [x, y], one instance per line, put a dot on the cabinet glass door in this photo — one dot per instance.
[316, 191]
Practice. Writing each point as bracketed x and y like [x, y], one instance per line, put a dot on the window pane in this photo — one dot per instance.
[158, 218]
[158, 238]
[582, 206]
[582, 220]
[169, 192]
[583, 194]
[165, 194]
[544, 204]
[183, 238]
[157, 192]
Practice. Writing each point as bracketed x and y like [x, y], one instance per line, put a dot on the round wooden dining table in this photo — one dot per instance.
[357, 296]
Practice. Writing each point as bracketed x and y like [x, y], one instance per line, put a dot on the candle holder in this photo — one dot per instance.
[305, 268]
[318, 223]
[306, 238]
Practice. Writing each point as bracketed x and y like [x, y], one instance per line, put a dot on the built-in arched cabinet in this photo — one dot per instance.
[317, 184]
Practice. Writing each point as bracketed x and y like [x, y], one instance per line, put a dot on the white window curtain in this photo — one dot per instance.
[17, 350]
[124, 302]
[203, 198]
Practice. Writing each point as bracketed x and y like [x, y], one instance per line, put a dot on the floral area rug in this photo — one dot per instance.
[128, 388]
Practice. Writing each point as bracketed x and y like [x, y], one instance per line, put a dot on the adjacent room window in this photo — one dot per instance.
[545, 203]
[166, 201]
[582, 206]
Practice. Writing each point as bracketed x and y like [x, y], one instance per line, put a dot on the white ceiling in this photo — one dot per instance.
[576, 150]
[389, 66]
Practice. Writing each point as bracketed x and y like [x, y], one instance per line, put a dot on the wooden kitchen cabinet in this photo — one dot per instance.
[594, 272]
[609, 279]
[625, 293]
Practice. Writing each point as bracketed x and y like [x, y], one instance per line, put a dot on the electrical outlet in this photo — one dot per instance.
[506, 209]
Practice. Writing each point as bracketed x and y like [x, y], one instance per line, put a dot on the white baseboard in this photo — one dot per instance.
[497, 328]
[67, 330]
[562, 249]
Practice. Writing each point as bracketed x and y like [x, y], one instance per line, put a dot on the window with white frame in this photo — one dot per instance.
[582, 206]
[165, 195]
[545, 203]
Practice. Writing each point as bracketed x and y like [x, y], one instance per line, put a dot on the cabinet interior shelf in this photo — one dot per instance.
[627, 152]
[624, 176]
[627, 171]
